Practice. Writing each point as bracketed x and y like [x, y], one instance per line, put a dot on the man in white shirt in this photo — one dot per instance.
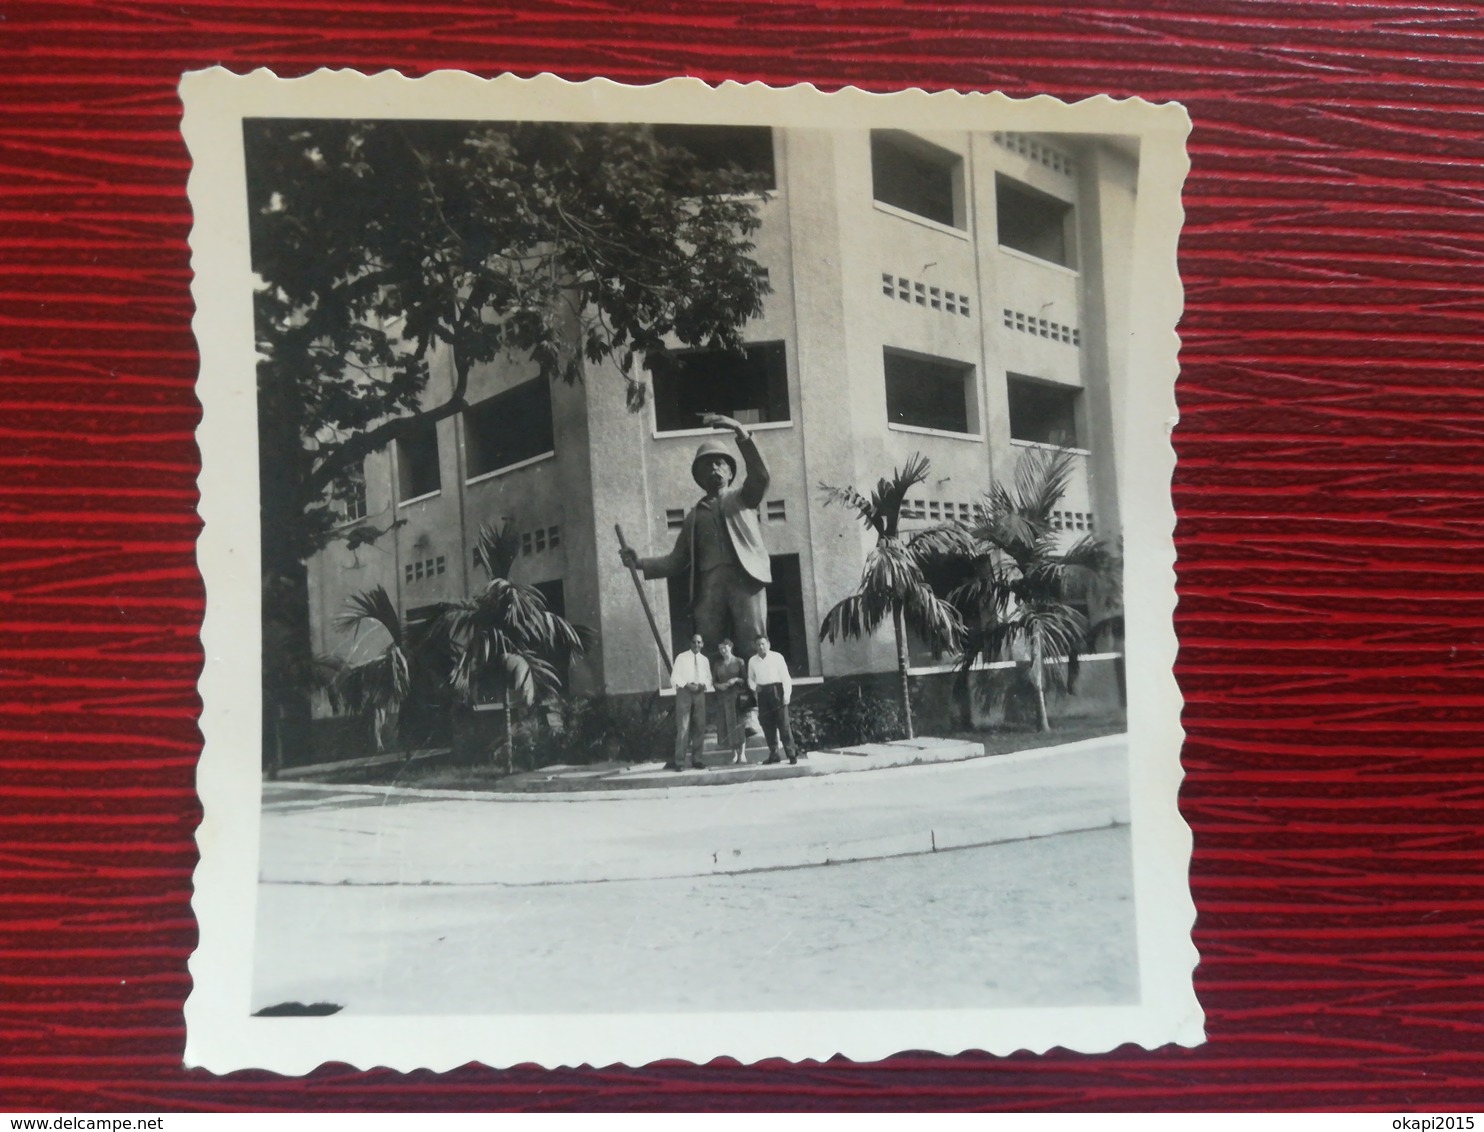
[691, 677]
[767, 676]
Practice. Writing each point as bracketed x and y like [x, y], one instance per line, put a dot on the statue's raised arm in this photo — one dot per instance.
[755, 485]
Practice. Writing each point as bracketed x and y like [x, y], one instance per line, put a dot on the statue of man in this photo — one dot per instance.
[720, 546]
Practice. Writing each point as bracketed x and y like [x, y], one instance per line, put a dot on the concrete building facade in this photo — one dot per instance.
[962, 295]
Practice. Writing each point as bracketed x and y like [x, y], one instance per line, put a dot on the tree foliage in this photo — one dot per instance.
[893, 584]
[505, 640]
[1023, 588]
[411, 657]
[378, 243]
[381, 246]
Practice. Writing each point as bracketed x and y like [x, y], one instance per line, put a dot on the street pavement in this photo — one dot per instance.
[1047, 922]
[386, 835]
[822, 892]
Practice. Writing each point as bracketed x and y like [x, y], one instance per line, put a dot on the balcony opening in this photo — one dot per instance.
[418, 472]
[509, 428]
[924, 392]
[917, 176]
[751, 386]
[1033, 222]
[1043, 413]
[745, 148]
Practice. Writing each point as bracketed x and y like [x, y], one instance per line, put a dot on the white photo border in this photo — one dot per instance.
[221, 1034]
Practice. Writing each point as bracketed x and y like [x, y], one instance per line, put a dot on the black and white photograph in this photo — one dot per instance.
[689, 573]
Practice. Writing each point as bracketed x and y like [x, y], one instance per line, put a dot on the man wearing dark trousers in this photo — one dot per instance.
[691, 678]
[767, 676]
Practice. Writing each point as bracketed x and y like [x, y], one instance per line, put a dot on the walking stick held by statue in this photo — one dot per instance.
[659, 641]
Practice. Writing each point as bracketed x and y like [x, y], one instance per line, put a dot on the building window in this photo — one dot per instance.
[509, 428]
[350, 495]
[1033, 222]
[1043, 413]
[746, 148]
[751, 386]
[674, 518]
[917, 177]
[417, 462]
[553, 594]
[929, 392]
[777, 511]
[788, 630]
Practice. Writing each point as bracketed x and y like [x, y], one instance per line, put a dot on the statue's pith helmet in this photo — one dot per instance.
[711, 448]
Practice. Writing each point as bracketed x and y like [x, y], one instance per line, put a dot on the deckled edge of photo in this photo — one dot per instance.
[221, 1036]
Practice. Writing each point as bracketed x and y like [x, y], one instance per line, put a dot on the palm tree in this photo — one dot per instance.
[892, 583]
[374, 687]
[505, 636]
[1023, 587]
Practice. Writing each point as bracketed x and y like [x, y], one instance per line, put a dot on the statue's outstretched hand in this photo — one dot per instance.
[717, 420]
[628, 556]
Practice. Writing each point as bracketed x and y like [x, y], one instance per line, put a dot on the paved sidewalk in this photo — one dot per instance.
[694, 824]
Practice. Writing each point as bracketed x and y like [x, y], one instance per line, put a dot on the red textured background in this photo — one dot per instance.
[1329, 494]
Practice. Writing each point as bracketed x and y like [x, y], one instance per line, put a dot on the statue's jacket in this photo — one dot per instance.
[738, 507]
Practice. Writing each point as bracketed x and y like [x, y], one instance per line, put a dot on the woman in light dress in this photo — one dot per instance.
[729, 677]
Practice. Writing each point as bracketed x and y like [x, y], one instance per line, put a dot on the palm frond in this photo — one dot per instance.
[320, 673]
[987, 642]
[372, 605]
[429, 645]
[891, 570]
[890, 492]
[587, 638]
[531, 674]
[1091, 568]
[497, 550]
[849, 497]
[505, 635]
[934, 619]
[1109, 627]
[380, 683]
[1060, 628]
[1041, 479]
[853, 618]
[990, 591]
[882, 511]
[946, 541]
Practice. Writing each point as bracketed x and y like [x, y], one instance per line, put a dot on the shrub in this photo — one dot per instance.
[849, 716]
[808, 732]
[590, 729]
[854, 717]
